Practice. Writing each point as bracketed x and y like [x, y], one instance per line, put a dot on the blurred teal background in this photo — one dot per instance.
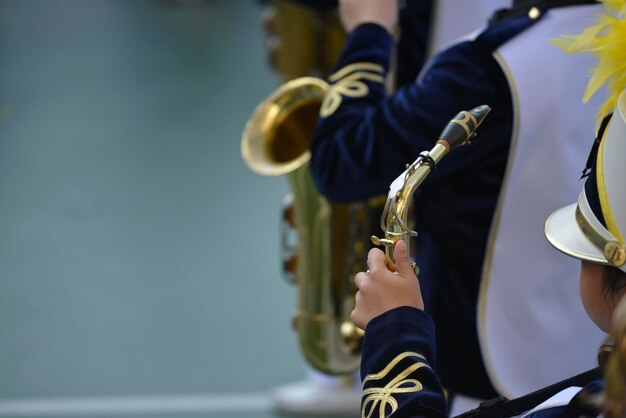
[139, 256]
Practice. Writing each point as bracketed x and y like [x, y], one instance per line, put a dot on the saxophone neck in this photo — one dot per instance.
[463, 127]
[394, 220]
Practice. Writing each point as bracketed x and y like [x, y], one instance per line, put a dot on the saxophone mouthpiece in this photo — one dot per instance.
[463, 127]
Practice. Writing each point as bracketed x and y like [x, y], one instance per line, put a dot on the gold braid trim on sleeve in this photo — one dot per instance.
[348, 82]
[379, 398]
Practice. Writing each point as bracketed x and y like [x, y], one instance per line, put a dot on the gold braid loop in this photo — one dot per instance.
[349, 82]
[381, 398]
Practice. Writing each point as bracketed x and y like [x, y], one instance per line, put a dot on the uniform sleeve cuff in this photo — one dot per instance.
[402, 326]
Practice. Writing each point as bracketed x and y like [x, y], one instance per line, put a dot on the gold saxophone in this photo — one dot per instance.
[611, 402]
[614, 399]
[301, 41]
[394, 221]
[332, 239]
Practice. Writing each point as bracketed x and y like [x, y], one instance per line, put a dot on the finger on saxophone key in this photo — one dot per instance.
[390, 264]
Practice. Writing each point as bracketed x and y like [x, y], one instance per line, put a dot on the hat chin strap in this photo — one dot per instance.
[613, 250]
[549, 3]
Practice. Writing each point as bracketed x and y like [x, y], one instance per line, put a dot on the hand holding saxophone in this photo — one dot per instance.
[381, 289]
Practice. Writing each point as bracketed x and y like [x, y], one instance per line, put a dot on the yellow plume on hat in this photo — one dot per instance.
[607, 41]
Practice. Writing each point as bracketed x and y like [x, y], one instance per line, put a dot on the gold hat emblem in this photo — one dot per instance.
[615, 253]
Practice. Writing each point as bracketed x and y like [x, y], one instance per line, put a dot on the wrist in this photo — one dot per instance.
[373, 21]
[413, 326]
[372, 26]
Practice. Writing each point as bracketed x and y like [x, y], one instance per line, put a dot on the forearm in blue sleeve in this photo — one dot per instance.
[364, 139]
[398, 357]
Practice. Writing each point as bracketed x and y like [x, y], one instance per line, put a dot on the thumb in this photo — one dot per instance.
[405, 269]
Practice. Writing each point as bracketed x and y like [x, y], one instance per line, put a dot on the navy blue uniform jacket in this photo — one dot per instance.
[399, 379]
[364, 139]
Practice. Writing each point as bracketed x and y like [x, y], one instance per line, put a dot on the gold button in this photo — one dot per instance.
[615, 253]
[534, 13]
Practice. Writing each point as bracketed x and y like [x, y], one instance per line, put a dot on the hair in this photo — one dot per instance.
[614, 280]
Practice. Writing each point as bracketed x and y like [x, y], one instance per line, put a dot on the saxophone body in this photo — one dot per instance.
[611, 401]
[323, 243]
[301, 41]
[614, 396]
[331, 239]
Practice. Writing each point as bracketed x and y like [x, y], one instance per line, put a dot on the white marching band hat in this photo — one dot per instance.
[593, 229]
